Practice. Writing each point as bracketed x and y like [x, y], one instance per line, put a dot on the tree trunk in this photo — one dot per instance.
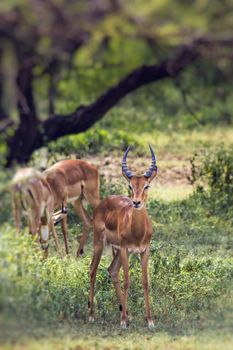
[21, 144]
[3, 114]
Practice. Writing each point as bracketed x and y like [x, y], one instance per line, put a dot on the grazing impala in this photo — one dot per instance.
[32, 194]
[72, 181]
[64, 182]
[124, 223]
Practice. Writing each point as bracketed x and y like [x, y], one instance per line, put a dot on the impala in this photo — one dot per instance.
[32, 195]
[73, 181]
[124, 223]
[66, 181]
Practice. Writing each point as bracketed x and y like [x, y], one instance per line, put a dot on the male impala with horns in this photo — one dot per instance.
[124, 223]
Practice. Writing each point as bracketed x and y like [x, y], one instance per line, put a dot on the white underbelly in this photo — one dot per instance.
[136, 250]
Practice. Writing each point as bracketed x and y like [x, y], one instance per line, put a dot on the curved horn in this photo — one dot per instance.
[125, 169]
[153, 166]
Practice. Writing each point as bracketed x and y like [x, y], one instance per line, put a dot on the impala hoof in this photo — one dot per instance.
[123, 324]
[91, 319]
[151, 324]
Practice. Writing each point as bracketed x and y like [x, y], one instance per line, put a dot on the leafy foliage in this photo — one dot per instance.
[93, 141]
[213, 174]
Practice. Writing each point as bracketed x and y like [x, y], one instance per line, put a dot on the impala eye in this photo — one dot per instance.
[146, 187]
[130, 187]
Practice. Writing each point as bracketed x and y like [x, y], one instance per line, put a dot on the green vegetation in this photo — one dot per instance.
[44, 303]
[190, 268]
[58, 65]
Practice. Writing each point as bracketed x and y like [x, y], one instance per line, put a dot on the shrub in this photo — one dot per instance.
[212, 172]
[94, 141]
[5, 196]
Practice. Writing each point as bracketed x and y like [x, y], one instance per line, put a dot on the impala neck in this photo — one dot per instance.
[138, 220]
[138, 214]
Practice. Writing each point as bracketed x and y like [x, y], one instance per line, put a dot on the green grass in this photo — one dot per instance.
[43, 304]
[82, 336]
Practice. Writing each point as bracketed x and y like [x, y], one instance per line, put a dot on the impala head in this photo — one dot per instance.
[27, 194]
[139, 185]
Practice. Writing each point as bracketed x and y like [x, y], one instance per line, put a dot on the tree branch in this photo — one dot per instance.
[86, 116]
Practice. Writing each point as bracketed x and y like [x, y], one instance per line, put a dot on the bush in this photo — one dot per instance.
[212, 173]
[5, 196]
[94, 141]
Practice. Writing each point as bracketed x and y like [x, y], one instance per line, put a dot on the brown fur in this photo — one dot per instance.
[124, 223]
[64, 182]
[71, 181]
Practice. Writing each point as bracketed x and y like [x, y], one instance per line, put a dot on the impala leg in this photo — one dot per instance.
[91, 194]
[55, 237]
[64, 231]
[144, 264]
[86, 221]
[125, 264]
[114, 252]
[113, 270]
[98, 249]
